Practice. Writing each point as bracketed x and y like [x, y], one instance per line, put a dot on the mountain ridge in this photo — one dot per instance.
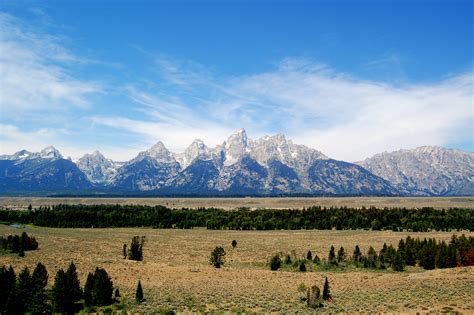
[270, 165]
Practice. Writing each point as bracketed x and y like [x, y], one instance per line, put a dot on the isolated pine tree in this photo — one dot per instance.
[341, 255]
[302, 266]
[309, 255]
[217, 257]
[275, 262]
[136, 248]
[124, 251]
[332, 256]
[139, 293]
[234, 244]
[314, 297]
[326, 292]
[357, 255]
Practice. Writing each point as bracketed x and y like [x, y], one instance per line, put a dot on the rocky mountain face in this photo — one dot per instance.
[97, 168]
[272, 165]
[426, 170]
[45, 171]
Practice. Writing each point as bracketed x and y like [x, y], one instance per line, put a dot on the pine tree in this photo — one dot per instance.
[117, 294]
[357, 255]
[139, 293]
[287, 259]
[398, 264]
[7, 289]
[326, 292]
[217, 257]
[39, 300]
[136, 248]
[314, 297]
[21, 253]
[73, 287]
[441, 259]
[341, 255]
[428, 257]
[309, 255]
[124, 251]
[332, 256]
[103, 288]
[234, 243]
[275, 262]
[316, 260]
[61, 303]
[24, 291]
[302, 266]
[88, 288]
[371, 257]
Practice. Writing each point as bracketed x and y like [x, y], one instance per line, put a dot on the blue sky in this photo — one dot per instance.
[349, 78]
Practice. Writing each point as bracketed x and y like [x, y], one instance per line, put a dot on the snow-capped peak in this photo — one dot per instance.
[235, 147]
[50, 153]
[192, 152]
[159, 153]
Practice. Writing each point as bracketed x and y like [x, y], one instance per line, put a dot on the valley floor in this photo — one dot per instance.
[175, 272]
[253, 203]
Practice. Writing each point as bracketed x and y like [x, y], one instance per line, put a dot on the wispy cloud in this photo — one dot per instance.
[344, 116]
[34, 71]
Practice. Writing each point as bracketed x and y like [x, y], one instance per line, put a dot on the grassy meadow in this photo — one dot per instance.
[175, 273]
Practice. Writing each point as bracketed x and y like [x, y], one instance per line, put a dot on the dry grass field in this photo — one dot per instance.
[253, 203]
[175, 272]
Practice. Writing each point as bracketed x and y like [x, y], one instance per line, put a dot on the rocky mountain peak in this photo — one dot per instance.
[192, 152]
[159, 153]
[235, 147]
[50, 152]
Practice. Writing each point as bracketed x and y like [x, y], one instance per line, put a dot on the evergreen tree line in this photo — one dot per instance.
[17, 243]
[426, 253]
[27, 293]
[340, 218]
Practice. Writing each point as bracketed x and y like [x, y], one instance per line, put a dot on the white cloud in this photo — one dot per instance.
[345, 117]
[33, 71]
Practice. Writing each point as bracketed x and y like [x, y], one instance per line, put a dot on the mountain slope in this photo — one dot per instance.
[271, 165]
[46, 171]
[97, 168]
[426, 170]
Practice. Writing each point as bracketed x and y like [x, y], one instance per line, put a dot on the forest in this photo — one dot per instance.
[339, 218]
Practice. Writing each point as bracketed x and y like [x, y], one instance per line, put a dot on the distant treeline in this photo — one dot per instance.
[396, 219]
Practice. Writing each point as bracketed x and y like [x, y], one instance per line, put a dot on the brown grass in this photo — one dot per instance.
[253, 203]
[175, 272]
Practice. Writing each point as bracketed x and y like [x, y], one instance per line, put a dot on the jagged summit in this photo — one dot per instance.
[270, 165]
[97, 167]
[197, 149]
[50, 152]
[157, 152]
[426, 170]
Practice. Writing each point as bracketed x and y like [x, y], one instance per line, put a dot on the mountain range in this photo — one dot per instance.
[271, 165]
